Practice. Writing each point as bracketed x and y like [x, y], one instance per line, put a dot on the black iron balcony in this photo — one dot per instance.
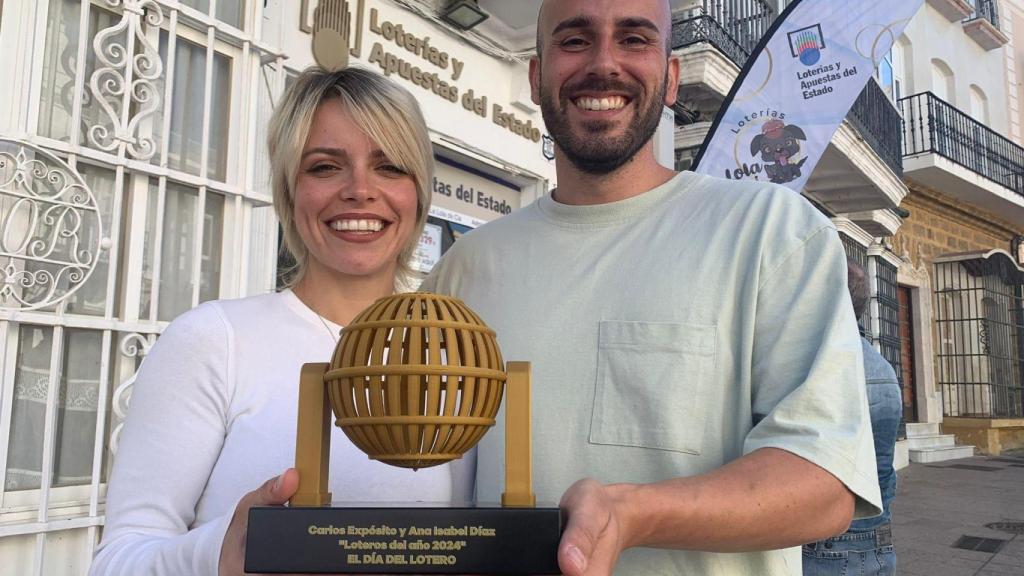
[879, 123]
[932, 125]
[746, 21]
[987, 9]
[734, 27]
[704, 28]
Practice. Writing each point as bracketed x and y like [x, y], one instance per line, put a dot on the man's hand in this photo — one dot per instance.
[766, 500]
[273, 492]
[594, 535]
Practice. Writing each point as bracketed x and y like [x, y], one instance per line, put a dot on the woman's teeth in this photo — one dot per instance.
[611, 103]
[357, 225]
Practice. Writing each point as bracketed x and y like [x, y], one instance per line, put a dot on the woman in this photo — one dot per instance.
[213, 413]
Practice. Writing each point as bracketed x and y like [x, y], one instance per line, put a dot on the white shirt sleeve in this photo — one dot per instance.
[171, 440]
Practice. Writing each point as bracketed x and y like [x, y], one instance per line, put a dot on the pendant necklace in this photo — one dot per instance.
[328, 328]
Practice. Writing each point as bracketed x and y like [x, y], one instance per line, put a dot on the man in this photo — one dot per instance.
[866, 548]
[695, 358]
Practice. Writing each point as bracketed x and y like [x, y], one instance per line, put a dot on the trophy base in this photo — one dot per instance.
[403, 540]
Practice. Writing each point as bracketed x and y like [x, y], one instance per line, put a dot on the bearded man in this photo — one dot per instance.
[698, 399]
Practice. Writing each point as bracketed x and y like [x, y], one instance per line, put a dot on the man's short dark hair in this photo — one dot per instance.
[857, 284]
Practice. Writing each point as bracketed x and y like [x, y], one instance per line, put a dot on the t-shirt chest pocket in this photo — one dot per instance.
[652, 384]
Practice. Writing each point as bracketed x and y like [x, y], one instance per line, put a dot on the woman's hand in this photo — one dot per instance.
[273, 492]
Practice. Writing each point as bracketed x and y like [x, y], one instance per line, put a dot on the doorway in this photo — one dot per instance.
[907, 360]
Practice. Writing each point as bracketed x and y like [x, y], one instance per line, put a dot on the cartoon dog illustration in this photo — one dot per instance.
[777, 143]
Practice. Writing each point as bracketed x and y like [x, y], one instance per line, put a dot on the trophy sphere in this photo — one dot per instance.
[416, 380]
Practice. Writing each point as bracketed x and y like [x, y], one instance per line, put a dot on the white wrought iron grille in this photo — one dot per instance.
[157, 106]
[50, 229]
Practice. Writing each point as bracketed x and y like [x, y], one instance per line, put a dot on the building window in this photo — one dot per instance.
[891, 71]
[887, 297]
[943, 85]
[228, 11]
[70, 429]
[859, 254]
[189, 113]
[979, 105]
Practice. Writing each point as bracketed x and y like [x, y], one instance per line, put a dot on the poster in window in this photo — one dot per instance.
[428, 251]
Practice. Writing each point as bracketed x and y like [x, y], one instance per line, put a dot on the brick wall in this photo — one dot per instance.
[941, 225]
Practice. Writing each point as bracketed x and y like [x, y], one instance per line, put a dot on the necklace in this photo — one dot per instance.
[326, 327]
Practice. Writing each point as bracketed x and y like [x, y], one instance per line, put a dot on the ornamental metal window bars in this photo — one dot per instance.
[979, 323]
[103, 110]
[46, 214]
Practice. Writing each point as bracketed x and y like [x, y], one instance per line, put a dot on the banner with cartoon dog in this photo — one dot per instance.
[797, 87]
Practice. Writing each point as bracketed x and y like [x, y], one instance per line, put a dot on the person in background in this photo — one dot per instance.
[698, 391]
[866, 547]
[213, 412]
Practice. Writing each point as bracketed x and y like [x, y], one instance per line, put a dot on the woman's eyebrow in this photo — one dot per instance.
[338, 152]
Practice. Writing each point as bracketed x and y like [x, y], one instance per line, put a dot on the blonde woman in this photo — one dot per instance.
[211, 428]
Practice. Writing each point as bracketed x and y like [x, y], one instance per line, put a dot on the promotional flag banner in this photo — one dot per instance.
[797, 87]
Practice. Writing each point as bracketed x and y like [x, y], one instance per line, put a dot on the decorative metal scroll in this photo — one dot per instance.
[125, 82]
[50, 228]
[132, 346]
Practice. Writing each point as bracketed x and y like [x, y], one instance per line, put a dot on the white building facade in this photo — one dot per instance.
[159, 108]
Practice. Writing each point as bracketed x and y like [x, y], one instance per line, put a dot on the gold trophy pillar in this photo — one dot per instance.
[313, 438]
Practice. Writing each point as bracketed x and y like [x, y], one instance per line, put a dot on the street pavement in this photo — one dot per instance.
[976, 503]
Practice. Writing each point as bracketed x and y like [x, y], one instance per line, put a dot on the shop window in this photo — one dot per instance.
[450, 232]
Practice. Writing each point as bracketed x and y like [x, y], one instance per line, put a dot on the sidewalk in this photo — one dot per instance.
[941, 505]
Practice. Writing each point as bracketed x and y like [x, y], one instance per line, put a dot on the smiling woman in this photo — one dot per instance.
[325, 122]
[215, 404]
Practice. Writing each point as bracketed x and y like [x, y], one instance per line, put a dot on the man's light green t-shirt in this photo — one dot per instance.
[671, 333]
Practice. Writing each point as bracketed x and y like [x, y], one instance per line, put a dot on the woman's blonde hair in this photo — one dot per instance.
[388, 114]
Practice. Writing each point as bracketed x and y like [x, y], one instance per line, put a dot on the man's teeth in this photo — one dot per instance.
[612, 103]
[357, 225]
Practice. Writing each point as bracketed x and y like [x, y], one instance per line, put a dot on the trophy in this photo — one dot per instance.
[415, 381]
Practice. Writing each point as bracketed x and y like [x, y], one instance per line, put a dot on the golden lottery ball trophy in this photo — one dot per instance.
[415, 381]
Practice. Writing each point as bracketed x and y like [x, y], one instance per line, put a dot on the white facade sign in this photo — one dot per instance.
[472, 194]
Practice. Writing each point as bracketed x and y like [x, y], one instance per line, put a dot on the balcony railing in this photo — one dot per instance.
[987, 9]
[878, 122]
[734, 27]
[746, 21]
[704, 29]
[932, 125]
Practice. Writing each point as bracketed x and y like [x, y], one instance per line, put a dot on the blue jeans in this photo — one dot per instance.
[852, 554]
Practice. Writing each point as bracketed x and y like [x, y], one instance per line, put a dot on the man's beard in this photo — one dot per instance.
[592, 152]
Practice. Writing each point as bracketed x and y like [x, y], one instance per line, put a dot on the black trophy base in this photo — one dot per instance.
[403, 540]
